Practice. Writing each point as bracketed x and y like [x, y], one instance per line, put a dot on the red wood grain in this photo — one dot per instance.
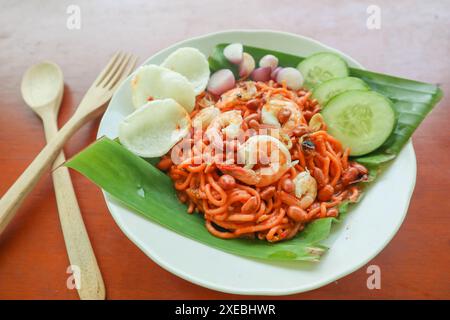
[413, 42]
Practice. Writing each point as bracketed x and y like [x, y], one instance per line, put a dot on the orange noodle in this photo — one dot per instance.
[270, 208]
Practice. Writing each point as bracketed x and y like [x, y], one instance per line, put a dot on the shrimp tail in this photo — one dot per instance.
[247, 176]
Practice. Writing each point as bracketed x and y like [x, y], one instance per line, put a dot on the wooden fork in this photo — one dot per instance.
[92, 104]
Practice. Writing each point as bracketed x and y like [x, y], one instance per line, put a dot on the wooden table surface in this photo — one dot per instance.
[413, 42]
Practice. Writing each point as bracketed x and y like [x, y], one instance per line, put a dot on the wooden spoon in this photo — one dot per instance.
[42, 89]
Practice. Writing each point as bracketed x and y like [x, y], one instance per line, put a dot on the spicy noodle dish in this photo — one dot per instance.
[259, 150]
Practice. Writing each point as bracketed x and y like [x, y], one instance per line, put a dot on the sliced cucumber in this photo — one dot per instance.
[330, 88]
[361, 120]
[322, 66]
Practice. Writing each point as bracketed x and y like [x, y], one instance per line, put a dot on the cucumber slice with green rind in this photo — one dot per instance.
[321, 67]
[330, 88]
[361, 120]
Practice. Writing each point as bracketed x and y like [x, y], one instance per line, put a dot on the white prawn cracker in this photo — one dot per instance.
[153, 82]
[153, 129]
[192, 64]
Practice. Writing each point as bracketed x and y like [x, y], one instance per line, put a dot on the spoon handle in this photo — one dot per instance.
[78, 246]
[12, 199]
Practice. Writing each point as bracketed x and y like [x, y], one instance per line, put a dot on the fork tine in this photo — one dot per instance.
[117, 70]
[113, 70]
[129, 68]
[108, 67]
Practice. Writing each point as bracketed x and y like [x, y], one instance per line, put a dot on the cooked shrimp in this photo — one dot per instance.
[204, 118]
[228, 123]
[305, 189]
[268, 154]
[246, 91]
[271, 113]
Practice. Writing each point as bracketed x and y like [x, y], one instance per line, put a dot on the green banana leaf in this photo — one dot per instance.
[140, 186]
[145, 189]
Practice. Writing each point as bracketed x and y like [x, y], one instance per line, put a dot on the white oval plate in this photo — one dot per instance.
[362, 235]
